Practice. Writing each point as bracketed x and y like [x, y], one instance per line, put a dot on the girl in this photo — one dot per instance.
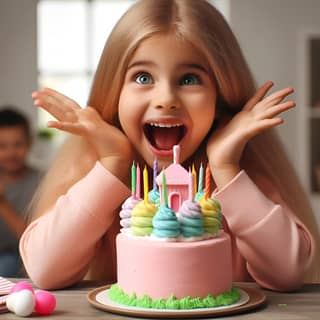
[171, 72]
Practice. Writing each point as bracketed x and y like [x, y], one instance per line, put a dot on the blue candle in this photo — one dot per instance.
[200, 183]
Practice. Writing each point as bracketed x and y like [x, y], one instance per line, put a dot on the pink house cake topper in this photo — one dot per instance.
[177, 180]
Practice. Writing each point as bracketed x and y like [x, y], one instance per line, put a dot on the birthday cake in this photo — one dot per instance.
[172, 252]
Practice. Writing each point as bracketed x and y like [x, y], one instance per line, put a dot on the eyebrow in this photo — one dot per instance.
[183, 65]
[141, 63]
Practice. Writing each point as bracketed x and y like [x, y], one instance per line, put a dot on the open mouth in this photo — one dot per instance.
[163, 136]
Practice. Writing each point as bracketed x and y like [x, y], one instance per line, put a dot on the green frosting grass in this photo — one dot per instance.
[229, 297]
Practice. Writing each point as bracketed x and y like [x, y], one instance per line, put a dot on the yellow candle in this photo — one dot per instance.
[145, 185]
[194, 173]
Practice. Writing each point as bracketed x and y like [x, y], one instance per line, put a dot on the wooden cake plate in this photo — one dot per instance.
[251, 298]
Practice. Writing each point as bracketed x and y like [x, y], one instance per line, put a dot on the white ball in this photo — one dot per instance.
[23, 304]
[10, 301]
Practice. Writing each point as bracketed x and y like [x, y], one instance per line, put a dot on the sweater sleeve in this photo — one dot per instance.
[57, 247]
[276, 246]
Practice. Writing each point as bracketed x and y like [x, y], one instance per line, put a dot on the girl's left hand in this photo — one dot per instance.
[227, 142]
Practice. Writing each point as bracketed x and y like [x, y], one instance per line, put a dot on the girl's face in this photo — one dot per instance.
[168, 98]
[14, 148]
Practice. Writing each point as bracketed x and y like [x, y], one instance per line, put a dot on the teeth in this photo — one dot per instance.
[165, 125]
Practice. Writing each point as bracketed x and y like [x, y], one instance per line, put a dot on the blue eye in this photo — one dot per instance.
[190, 79]
[143, 78]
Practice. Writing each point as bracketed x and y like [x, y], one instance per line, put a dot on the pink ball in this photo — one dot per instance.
[45, 302]
[22, 285]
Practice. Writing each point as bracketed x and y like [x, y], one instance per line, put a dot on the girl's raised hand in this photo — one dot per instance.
[107, 140]
[227, 142]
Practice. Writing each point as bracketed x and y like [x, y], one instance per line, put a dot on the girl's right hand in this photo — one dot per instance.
[112, 146]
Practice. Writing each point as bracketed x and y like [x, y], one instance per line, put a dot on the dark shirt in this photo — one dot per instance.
[19, 195]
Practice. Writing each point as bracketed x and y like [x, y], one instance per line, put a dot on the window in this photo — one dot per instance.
[71, 36]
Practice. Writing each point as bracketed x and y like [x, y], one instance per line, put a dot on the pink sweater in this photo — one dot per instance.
[269, 244]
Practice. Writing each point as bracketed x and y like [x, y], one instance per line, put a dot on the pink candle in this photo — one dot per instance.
[176, 154]
[208, 182]
[138, 182]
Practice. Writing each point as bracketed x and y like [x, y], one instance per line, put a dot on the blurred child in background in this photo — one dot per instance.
[18, 182]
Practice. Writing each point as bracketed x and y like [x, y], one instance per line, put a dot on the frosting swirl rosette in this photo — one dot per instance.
[154, 197]
[211, 212]
[191, 219]
[141, 220]
[165, 223]
[126, 210]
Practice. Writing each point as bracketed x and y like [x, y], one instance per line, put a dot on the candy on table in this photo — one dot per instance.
[21, 302]
[24, 300]
[20, 286]
[45, 302]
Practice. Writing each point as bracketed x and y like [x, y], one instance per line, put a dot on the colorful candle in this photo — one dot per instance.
[176, 154]
[133, 180]
[145, 185]
[208, 182]
[164, 189]
[191, 186]
[138, 189]
[200, 182]
[194, 172]
[155, 173]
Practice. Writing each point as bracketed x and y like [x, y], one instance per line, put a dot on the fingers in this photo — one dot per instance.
[73, 128]
[276, 110]
[266, 124]
[262, 91]
[60, 97]
[269, 118]
[270, 100]
[277, 96]
[55, 103]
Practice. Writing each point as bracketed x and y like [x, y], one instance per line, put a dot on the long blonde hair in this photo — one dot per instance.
[201, 24]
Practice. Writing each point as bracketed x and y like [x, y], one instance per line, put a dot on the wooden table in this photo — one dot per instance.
[304, 304]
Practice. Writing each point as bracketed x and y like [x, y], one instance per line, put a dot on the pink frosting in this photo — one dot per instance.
[160, 269]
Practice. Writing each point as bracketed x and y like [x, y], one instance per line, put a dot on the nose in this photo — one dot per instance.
[166, 97]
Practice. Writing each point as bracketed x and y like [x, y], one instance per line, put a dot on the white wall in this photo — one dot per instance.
[18, 54]
[268, 33]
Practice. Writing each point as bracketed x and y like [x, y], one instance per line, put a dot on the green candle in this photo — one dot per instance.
[133, 180]
[164, 189]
